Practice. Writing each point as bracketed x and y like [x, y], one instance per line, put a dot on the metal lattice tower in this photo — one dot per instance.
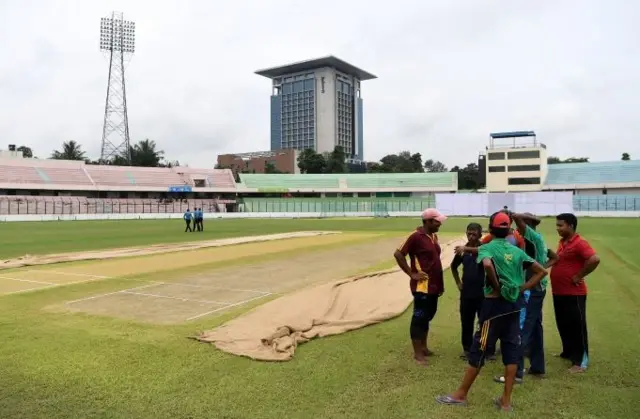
[117, 39]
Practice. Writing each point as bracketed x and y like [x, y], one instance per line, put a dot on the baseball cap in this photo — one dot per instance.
[500, 220]
[433, 214]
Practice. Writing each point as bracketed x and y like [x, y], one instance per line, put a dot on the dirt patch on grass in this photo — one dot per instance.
[180, 298]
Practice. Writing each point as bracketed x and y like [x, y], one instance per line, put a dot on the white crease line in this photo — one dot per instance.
[226, 307]
[29, 290]
[110, 293]
[69, 273]
[216, 288]
[28, 280]
[222, 303]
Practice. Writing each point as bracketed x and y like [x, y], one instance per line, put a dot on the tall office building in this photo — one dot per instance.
[317, 104]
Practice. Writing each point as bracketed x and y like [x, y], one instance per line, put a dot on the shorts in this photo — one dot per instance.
[425, 307]
[498, 319]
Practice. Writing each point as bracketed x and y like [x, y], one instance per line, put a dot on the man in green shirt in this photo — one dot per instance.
[531, 317]
[504, 266]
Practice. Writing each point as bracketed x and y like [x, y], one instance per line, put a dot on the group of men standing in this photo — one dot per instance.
[197, 216]
[504, 284]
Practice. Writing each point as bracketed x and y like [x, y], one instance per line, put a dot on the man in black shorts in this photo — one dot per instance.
[504, 266]
[426, 278]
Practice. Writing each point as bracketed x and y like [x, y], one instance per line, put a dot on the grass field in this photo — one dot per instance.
[57, 363]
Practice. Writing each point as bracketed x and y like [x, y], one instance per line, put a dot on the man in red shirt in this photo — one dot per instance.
[426, 278]
[576, 260]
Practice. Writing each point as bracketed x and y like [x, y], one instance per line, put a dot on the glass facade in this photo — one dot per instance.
[294, 121]
[294, 112]
[345, 117]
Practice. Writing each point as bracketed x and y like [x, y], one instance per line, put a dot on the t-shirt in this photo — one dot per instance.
[187, 216]
[472, 275]
[514, 238]
[534, 239]
[424, 251]
[510, 263]
[572, 255]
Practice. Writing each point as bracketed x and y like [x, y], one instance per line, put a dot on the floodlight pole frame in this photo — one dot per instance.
[119, 42]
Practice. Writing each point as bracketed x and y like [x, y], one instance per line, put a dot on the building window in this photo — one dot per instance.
[524, 181]
[496, 156]
[525, 168]
[497, 169]
[532, 154]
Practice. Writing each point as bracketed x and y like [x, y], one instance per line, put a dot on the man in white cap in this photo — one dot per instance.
[426, 278]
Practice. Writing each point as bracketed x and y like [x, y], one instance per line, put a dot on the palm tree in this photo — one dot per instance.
[70, 151]
[145, 154]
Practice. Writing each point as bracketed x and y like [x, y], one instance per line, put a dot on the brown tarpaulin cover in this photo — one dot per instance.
[272, 331]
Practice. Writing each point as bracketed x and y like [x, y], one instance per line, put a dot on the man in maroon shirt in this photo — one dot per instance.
[576, 260]
[426, 278]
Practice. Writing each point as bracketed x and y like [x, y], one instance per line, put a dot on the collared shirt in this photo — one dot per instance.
[424, 251]
[572, 255]
[472, 275]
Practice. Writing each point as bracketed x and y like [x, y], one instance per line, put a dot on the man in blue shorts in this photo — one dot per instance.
[504, 266]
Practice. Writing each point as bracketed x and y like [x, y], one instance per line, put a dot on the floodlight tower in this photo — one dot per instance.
[117, 39]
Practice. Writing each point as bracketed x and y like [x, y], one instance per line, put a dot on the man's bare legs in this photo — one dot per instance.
[509, 380]
[470, 376]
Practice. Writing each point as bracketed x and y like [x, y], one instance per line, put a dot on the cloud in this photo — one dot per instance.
[449, 73]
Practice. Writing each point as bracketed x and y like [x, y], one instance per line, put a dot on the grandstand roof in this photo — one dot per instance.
[598, 174]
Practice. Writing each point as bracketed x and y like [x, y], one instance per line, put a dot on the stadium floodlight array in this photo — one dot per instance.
[118, 40]
[117, 34]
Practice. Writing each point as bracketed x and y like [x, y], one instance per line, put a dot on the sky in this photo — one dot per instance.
[449, 73]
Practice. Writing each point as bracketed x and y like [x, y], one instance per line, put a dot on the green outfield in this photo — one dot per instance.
[79, 341]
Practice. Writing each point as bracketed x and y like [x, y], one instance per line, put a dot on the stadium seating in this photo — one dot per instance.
[36, 171]
[309, 181]
[215, 178]
[606, 202]
[598, 173]
[359, 180]
[402, 180]
[134, 176]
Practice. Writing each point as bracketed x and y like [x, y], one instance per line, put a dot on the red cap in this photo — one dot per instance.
[433, 214]
[500, 220]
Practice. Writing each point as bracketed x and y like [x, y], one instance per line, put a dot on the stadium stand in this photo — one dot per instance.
[34, 171]
[76, 175]
[134, 176]
[355, 181]
[598, 173]
[265, 181]
[402, 180]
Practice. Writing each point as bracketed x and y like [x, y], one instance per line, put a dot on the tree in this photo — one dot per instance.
[403, 162]
[626, 156]
[26, 151]
[557, 160]
[434, 166]
[336, 161]
[70, 151]
[468, 177]
[311, 162]
[269, 167]
[144, 154]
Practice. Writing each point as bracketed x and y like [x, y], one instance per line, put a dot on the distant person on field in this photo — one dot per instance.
[531, 316]
[576, 260]
[187, 219]
[426, 278]
[504, 266]
[201, 218]
[471, 286]
[196, 219]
